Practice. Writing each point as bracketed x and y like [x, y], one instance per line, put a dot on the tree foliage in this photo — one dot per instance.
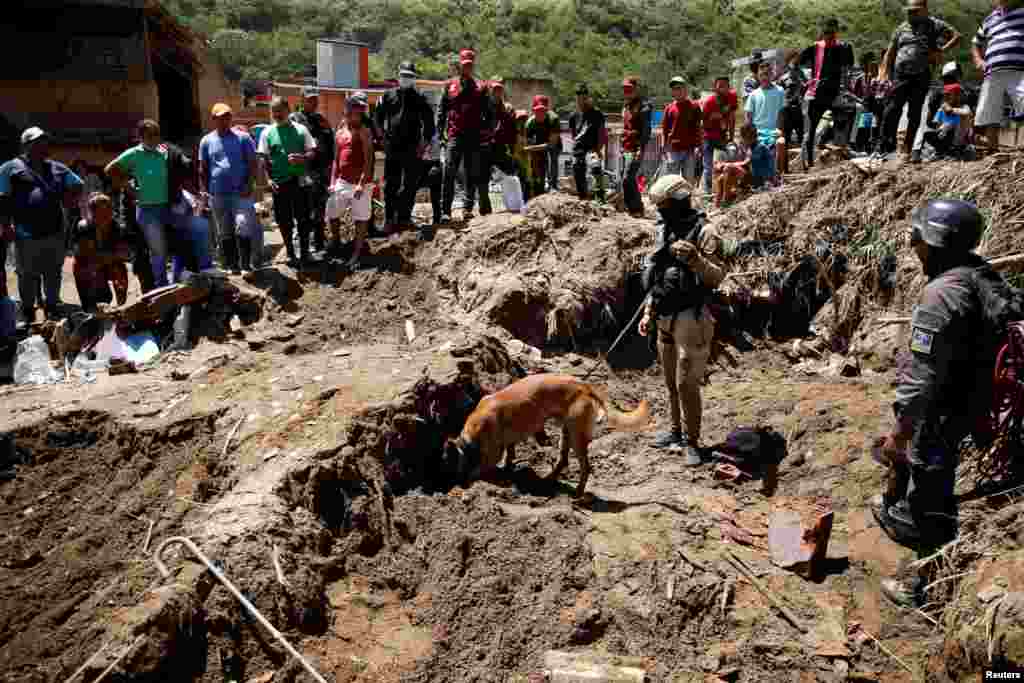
[571, 41]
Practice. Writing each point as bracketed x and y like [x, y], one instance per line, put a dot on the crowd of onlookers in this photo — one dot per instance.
[144, 207]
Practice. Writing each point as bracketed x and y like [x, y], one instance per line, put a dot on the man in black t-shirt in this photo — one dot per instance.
[830, 61]
[589, 138]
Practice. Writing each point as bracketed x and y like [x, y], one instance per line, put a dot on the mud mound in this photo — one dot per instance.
[75, 507]
[556, 276]
[860, 219]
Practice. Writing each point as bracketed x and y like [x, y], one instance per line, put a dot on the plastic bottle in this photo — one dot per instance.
[32, 364]
[181, 328]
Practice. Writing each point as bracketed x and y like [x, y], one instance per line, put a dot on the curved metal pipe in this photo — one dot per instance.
[188, 543]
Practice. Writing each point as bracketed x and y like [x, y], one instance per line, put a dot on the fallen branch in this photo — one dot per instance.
[275, 557]
[88, 662]
[886, 650]
[894, 320]
[776, 603]
[1007, 261]
[692, 563]
[227, 443]
[149, 537]
[119, 658]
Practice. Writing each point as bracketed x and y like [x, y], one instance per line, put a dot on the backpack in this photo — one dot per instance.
[999, 386]
[674, 287]
[752, 447]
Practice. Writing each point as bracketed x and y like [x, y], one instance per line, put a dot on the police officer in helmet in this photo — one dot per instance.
[684, 270]
[940, 381]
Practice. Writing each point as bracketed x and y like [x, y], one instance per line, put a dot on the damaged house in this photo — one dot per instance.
[88, 70]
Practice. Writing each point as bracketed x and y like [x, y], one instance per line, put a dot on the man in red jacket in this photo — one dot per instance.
[465, 122]
[636, 132]
[681, 130]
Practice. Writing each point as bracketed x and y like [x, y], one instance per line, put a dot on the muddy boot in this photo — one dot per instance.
[229, 248]
[245, 253]
[289, 247]
[898, 523]
[304, 255]
[334, 248]
[671, 439]
[319, 238]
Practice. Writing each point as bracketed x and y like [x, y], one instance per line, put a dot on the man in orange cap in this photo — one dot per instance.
[636, 133]
[227, 170]
[465, 120]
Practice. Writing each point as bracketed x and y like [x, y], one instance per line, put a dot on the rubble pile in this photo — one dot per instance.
[553, 277]
[850, 222]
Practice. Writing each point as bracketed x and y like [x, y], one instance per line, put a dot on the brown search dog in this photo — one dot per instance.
[519, 411]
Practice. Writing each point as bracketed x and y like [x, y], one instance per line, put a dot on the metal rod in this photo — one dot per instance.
[188, 543]
[119, 658]
[88, 662]
[776, 603]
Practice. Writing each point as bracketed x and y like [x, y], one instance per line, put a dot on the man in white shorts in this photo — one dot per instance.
[352, 177]
[998, 50]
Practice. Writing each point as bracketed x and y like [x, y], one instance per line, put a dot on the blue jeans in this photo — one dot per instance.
[709, 163]
[184, 227]
[683, 163]
[224, 209]
[630, 191]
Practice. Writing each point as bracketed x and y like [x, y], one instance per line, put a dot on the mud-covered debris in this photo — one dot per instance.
[570, 667]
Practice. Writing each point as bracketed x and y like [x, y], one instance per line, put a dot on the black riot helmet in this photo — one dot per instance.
[949, 224]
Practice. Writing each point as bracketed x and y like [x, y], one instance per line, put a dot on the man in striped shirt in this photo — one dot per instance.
[999, 51]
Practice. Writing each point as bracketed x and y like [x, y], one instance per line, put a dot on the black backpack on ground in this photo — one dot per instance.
[752, 447]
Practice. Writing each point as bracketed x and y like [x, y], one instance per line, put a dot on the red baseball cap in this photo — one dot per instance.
[629, 83]
[540, 102]
[952, 89]
[467, 57]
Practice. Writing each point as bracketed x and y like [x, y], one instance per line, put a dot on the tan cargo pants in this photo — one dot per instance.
[685, 346]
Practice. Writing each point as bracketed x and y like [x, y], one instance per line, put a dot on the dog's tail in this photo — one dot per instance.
[631, 421]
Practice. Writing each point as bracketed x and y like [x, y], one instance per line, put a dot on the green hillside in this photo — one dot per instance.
[568, 40]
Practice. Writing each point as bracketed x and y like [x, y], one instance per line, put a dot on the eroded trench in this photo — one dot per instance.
[77, 494]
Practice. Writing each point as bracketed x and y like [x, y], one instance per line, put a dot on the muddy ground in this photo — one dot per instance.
[313, 442]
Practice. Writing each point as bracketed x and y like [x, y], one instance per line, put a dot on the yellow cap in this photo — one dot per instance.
[220, 109]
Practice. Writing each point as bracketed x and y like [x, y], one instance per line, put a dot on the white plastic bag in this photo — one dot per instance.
[512, 193]
[32, 365]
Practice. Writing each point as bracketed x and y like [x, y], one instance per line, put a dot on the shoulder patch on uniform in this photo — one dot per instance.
[921, 340]
[927, 320]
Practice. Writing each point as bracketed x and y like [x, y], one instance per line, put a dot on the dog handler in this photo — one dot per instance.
[685, 268]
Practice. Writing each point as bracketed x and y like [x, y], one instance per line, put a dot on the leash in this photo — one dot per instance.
[618, 339]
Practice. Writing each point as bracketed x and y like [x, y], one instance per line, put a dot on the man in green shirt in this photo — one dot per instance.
[285, 148]
[158, 170]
